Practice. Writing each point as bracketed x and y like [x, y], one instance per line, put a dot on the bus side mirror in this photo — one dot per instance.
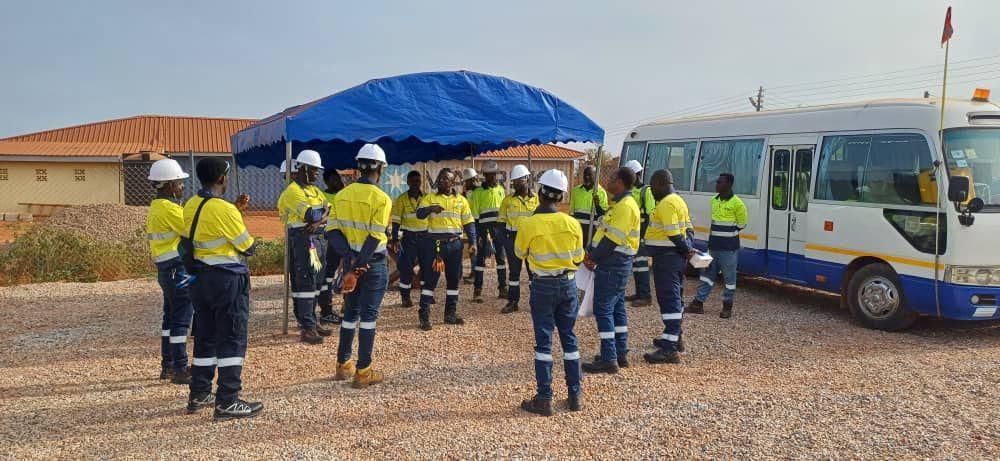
[958, 189]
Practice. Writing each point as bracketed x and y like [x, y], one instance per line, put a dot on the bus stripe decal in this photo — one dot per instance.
[895, 259]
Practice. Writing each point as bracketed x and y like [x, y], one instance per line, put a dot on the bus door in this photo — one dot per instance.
[787, 224]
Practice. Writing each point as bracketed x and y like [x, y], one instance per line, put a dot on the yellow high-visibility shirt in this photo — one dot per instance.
[621, 225]
[164, 225]
[515, 208]
[456, 213]
[404, 213]
[329, 201]
[485, 203]
[551, 243]
[362, 210]
[221, 235]
[296, 200]
[647, 204]
[669, 219]
[581, 200]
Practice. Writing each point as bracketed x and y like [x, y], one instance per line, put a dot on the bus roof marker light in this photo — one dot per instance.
[981, 95]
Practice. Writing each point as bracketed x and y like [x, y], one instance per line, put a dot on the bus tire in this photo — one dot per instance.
[875, 297]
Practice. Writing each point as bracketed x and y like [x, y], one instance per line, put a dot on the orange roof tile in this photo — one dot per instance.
[154, 133]
[68, 149]
[538, 151]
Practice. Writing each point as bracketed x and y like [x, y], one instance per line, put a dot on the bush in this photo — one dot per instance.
[268, 259]
[52, 255]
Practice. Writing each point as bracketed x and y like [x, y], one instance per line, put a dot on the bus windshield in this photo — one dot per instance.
[975, 153]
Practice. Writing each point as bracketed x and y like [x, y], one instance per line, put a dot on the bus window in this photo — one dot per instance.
[803, 174]
[882, 168]
[841, 167]
[633, 151]
[678, 157]
[740, 157]
[779, 180]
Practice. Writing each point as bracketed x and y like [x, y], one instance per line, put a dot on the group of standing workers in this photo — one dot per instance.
[339, 240]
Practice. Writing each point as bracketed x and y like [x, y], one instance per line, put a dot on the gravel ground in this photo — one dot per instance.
[113, 222]
[790, 376]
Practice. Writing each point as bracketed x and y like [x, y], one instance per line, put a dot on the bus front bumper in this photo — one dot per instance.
[965, 302]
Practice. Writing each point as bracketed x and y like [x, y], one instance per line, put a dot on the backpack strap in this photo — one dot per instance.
[197, 214]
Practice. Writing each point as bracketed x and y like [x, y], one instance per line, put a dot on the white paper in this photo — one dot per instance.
[585, 282]
[700, 260]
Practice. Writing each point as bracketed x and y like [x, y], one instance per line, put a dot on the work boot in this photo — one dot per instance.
[181, 376]
[165, 373]
[366, 377]
[600, 366]
[198, 401]
[406, 302]
[537, 406]
[453, 319]
[662, 356]
[310, 336]
[323, 331]
[622, 360]
[425, 321]
[477, 294]
[238, 409]
[661, 343]
[502, 292]
[727, 310]
[345, 371]
[511, 307]
[574, 403]
[696, 307]
[680, 344]
[631, 298]
[330, 319]
[468, 279]
[642, 302]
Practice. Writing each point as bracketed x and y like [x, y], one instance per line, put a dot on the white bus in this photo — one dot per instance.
[844, 198]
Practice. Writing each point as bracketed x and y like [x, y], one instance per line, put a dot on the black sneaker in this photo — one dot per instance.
[407, 302]
[574, 403]
[600, 366]
[454, 319]
[662, 356]
[198, 401]
[642, 302]
[661, 343]
[237, 409]
[181, 376]
[323, 331]
[631, 298]
[510, 308]
[622, 360]
[331, 319]
[727, 310]
[537, 406]
[164, 373]
[696, 307]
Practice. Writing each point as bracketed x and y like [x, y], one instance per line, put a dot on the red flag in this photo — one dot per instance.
[948, 30]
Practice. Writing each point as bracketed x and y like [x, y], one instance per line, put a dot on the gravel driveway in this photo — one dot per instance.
[790, 376]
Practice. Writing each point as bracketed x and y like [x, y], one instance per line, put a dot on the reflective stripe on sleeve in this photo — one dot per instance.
[241, 239]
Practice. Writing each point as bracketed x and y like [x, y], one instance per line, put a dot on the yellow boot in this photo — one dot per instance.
[344, 371]
[366, 377]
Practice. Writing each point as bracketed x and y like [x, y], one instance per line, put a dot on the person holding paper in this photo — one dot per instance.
[615, 245]
[668, 241]
[552, 244]
[729, 217]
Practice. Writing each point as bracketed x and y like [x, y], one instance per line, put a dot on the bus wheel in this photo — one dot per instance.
[875, 297]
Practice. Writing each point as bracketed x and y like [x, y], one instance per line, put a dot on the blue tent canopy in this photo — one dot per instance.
[417, 118]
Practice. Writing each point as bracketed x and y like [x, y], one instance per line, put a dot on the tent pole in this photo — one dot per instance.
[531, 172]
[288, 178]
[594, 194]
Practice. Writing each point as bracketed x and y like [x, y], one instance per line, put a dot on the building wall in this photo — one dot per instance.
[45, 185]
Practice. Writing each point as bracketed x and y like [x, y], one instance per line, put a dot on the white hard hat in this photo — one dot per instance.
[468, 174]
[634, 165]
[518, 172]
[282, 168]
[308, 157]
[371, 152]
[555, 179]
[491, 167]
[166, 170]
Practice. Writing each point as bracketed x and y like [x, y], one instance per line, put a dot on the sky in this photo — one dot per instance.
[70, 62]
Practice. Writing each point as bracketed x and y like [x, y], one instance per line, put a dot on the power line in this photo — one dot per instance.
[879, 74]
[925, 80]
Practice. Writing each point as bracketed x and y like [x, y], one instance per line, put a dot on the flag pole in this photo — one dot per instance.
[944, 88]
[937, 171]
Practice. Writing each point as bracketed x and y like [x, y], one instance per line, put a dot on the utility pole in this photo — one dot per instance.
[758, 103]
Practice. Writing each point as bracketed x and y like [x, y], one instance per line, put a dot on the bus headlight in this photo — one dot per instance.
[971, 275]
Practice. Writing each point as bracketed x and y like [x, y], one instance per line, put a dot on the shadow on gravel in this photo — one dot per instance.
[84, 387]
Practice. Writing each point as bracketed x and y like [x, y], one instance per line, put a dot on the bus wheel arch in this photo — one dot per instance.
[873, 293]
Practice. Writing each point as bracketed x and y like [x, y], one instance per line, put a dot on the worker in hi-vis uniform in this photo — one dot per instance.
[513, 210]
[640, 267]
[361, 212]
[164, 226]
[440, 246]
[729, 218]
[404, 218]
[551, 243]
[586, 206]
[470, 181]
[327, 316]
[610, 257]
[220, 294]
[304, 211]
[668, 241]
[485, 201]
